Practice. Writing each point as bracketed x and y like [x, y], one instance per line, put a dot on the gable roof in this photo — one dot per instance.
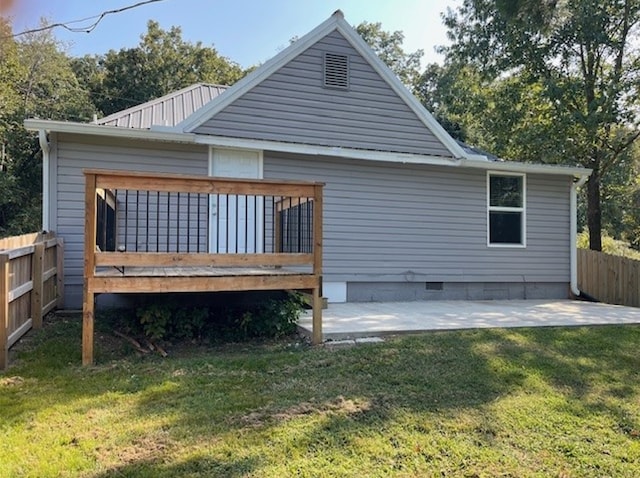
[168, 110]
[175, 117]
[335, 22]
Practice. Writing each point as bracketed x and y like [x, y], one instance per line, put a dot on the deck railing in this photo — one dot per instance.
[150, 220]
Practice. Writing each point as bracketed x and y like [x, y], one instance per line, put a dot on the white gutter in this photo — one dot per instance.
[573, 233]
[111, 131]
[524, 167]
[46, 203]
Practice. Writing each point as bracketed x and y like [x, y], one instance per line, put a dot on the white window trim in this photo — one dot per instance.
[522, 210]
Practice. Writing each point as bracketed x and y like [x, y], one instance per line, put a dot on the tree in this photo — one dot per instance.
[36, 80]
[163, 62]
[579, 55]
[388, 46]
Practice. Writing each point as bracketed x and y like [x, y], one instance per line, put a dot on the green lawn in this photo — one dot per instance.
[558, 402]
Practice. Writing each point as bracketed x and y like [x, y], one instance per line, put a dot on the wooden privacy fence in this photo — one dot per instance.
[31, 284]
[610, 279]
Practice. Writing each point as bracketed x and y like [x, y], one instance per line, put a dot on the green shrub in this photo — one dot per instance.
[609, 245]
[167, 318]
[276, 318]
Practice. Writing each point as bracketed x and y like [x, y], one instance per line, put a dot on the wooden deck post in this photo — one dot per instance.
[37, 262]
[60, 273]
[316, 334]
[88, 299]
[4, 311]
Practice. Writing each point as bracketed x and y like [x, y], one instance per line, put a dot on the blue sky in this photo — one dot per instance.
[247, 31]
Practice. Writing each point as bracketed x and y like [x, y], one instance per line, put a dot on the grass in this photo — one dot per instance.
[521, 402]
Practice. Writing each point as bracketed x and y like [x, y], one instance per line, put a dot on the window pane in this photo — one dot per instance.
[505, 191]
[505, 227]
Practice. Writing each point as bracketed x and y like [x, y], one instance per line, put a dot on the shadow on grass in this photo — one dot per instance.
[198, 466]
[204, 395]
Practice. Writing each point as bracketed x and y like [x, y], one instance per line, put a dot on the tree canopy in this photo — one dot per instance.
[161, 63]
[579, 58]
[36, 80]
[388, 46]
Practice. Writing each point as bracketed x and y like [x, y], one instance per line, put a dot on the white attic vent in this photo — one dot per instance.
[336, 71]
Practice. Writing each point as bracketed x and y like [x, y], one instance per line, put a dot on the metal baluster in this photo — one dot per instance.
[178, 224]
[290, 230]
[104, 220]
[147, 231]
[168, 219]
[217, 223]
[126, 218]
[226, 229]
[188, 222]
[300, 225]
[237, 196]
[255, 223]
[198, 220]
[157, 221]
[246, 224]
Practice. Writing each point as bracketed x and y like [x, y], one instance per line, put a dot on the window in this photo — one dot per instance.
[506, 200]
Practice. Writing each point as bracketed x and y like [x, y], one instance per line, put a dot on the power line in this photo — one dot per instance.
[84, 29]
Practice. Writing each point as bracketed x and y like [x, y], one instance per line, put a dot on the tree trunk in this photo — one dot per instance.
[594, 214]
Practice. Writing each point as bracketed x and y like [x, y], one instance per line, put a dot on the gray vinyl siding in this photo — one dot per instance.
[75, 153]
[293, 106]
[391, 222]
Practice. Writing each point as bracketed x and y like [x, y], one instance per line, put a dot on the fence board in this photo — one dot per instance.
[608, 278]
[31, 285]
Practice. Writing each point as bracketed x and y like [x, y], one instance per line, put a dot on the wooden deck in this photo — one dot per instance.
[288, 255]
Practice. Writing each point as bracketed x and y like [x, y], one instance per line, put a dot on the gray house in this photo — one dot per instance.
[409, 213]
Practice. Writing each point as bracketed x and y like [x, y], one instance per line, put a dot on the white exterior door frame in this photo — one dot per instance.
[243, 164]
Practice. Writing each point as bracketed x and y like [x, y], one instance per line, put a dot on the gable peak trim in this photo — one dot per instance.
[335, 22]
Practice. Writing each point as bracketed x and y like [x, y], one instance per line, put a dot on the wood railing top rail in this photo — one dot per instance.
[136, 180]
[163, 259]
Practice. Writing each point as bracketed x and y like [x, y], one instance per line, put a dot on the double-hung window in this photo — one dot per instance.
[506, 209]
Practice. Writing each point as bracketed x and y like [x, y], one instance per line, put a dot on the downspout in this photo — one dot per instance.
[46, 206]
[573, 233]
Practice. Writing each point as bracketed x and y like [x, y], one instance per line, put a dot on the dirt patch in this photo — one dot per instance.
[338, 406]
[11, 381]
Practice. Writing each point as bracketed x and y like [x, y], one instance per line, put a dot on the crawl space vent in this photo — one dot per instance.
[336, 71]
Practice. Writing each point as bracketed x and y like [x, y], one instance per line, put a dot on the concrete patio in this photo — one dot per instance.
[368, 319]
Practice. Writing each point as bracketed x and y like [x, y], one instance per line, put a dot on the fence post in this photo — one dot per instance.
[4, 311]
[60, 273]
[37, 262]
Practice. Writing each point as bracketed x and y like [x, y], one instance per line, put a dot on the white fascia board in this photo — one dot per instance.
[313, 150]
[111, 131]
[257, 76]
[408, 158]
[511, 166]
